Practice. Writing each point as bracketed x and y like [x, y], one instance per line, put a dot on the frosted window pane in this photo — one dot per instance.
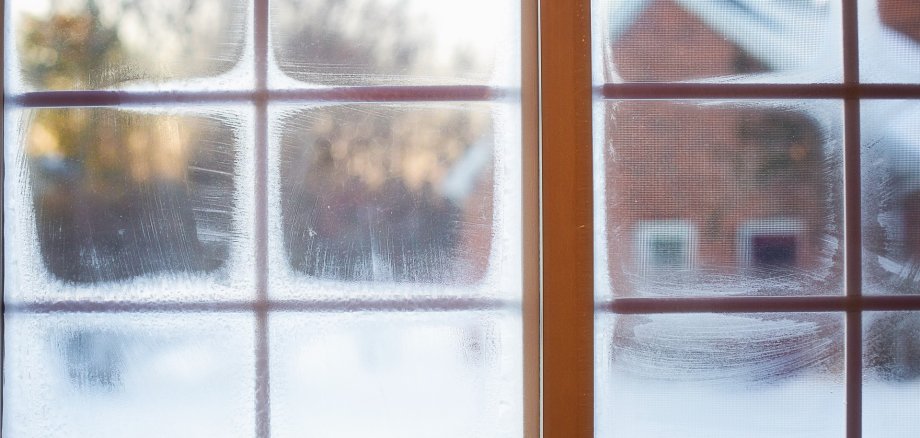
[889, 41]
[93, 44]
[891, 379]
[388, 193]
[111, 196]
[891, 197]
[720, 199]
[751, 40]
[399, 375]
[710, 375]
[387, 42]
[128, 375]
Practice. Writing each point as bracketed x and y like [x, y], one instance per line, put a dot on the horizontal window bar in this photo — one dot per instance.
[90, 98]
[433, 304]
[636, 91]
[759, 304]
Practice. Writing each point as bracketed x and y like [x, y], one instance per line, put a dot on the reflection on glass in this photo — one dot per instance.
[711, 375]
[889, 41]
[400, 375]
[118, 194]
[388, 193]
[151, 375]
[388, 42]
[891, 374]
[92, 44]
[678, 40]
[705, 199]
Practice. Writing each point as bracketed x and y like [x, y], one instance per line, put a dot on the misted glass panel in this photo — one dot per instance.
[453, 374]
[128, 375]
[104, 196]
[390, 42]
[891, 374]
[719, 198]
[692, 40]
[720, 375]
[94, 44]
[388, 193]
[891, 197]
[889, 41]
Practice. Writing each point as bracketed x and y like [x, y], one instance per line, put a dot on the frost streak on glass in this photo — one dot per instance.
[891, 197]
[891, 376]
[390, 42]
[396, 375]
[705, 40]
[151, 375]
[94, 44]
[709, 375]
[722, 199]
[141, 202]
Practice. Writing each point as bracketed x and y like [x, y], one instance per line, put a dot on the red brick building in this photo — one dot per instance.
[703, 193]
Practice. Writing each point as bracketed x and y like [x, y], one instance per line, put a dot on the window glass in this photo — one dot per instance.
[123, 204]
[747, 40]
[448, 374]
[388, 192]
[263, 218]
[889, 41]
[891, 376]
[391, 42]
[891, 197]
[752, 189]
[137, 44]
[705, 375]
[134, 374]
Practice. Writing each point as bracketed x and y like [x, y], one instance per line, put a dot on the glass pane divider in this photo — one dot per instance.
[853, 218]
[422, 93]
[262, 339]
[753, 304]
[415, 305]
[624, 91]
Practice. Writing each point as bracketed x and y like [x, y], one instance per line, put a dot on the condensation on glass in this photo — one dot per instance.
[720, 375]
[693, 40]
[127, 203]
[891, 197]
[450, 374]
[133, 44]
[740, 198]
[891, 374]
[889, 41]
[390, 42]
[137, 375]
